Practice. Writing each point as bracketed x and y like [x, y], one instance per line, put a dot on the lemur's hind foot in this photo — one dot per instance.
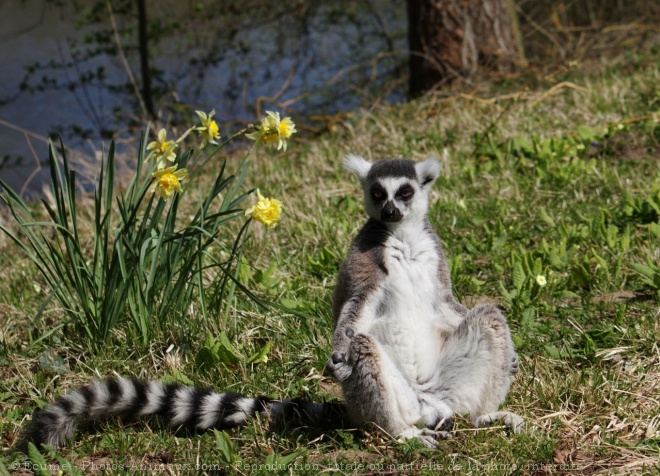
[514, 422]
[428, 438]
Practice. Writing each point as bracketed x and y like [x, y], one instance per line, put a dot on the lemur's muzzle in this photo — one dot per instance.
[390, 213]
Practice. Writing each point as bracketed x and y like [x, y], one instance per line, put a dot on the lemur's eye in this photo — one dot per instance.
[377, 194]
[406, 193]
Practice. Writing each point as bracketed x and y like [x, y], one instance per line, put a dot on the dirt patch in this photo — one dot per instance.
[615, 297]
[161, 463]
[98, 463]
[341, 458]
[331, 387]
[628, 147]
[471, 301]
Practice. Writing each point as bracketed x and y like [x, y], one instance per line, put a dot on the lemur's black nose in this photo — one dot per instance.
[390, 212]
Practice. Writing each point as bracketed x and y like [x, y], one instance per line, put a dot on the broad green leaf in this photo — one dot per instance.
[226, 353]
[226, 447]
[67, 466]
[243, 271]
[505, 294]
[543, 214]
[538, 267]
[555, 260]
[552, 351]
[179, 377]
[51, 362]
[645, 270]
[527, 317]
[289, 303]
[260, 357]
[276, 460]
[3, 469]
[206, 358]
[586, 133]
[518, 276]
[39, 465]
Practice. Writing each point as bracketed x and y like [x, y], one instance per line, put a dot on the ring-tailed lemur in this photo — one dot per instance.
[405, 351]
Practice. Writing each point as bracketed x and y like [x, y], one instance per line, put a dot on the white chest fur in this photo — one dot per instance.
[409, 314]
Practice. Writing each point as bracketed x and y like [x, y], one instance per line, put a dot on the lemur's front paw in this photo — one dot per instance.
[338, 367]
[338, 357]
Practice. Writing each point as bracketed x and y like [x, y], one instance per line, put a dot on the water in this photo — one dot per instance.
[299, 59]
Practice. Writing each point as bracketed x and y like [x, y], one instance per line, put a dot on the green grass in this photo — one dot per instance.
[523, 193]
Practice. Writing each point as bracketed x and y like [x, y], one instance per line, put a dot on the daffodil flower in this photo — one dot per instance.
[273, 131]
[208, 131]
[162, 149]
[167, 181]
[266, 210]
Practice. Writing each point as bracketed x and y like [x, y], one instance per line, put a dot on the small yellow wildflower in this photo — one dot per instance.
[274, 131]
[540, 280]
[266, 211]
[167, 181]
[162, 149]
[208, 131]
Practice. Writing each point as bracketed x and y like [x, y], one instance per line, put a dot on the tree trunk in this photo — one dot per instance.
[143, 40]
[454, 38]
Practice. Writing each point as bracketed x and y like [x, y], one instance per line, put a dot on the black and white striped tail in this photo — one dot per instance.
[191, 408]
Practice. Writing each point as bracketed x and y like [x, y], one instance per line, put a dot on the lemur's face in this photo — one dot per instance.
[392, 199]
[395, 190]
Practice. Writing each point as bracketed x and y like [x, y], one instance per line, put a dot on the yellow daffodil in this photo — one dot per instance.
[162, 149]
[167, 181]
[266, 211]
[540, 280]
[208, 131]
[274, 131]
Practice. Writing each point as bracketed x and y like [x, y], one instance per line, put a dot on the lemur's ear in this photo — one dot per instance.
[428, 171]
[357, 165]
